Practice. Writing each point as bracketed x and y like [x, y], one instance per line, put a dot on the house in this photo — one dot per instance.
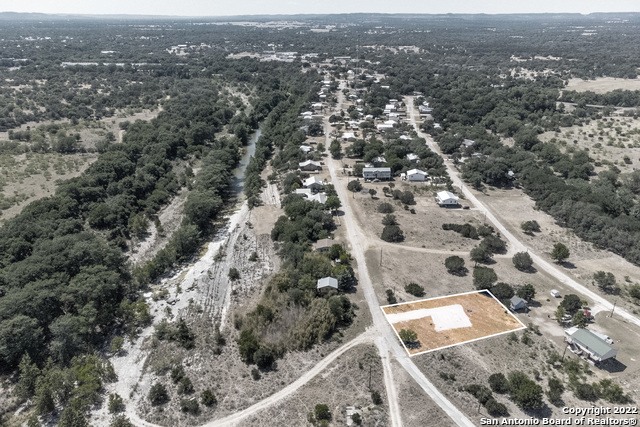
[326, 284]
[324, 245]
[380, 159]
[317, 106]
[305, 148]
[416, 175]
[412, 157]
[467, 143]
[314, 183]
[446, 198]
[319, 197]
[349, 136]
[376, 173]
[518, 303]
[390, 107]
[306, 192]
[310, 165]
[382, 127]
[589, 345]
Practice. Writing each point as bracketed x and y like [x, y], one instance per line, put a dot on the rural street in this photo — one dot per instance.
[516, 244]
[357, 240]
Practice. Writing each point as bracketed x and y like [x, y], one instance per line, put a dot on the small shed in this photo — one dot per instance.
[411, 156]
[324, 245]
[326, 284]
[416, 175]
[518, 303]
[446, 198]
[589, 345]
[555, 293]
[305, 148]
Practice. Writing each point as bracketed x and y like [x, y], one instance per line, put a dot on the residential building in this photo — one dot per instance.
[446, 198]
[589, 345]
[376, 173]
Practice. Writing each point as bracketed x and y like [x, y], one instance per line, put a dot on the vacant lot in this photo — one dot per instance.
[603, 84]
[447, 321]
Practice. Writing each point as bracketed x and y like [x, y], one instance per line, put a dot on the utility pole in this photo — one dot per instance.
[370, 367]
[614, 307]
[565, 351]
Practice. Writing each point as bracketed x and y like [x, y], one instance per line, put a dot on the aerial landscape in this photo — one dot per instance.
[319, 219]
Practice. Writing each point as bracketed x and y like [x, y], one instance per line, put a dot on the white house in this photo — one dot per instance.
[306, 192]
[380, 159]
[349, 136]
[310, 165]
[412, 157]
[384, 127]
[318, 197]
[317, 106]
[416, 175]
[314, 183]
[327, 283]
[305, 148]
[405, 137]
[589, 345]
[468, 143]
[446, 198]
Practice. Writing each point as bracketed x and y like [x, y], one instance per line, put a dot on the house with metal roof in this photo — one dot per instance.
[326, 284]
[416, 175]
[446, 198]
[518, 303]
[324, 245]
[588, 345]
[314, 183]
[376, 173]
[310, 165]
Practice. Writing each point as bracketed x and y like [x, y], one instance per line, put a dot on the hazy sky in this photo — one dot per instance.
[252, 7]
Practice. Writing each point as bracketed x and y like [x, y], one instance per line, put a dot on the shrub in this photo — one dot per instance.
[385, 208]
[354, 186]
[158, 394]
[391, 297]
[556, 388]
[530, 226]
[495, 408]
[255, 374]
[392, 233]
[524, 391]
[407, 198]
[234, 274]
[389, 220]
[414, 289]
[502, 291]
[116, 345]
[481, 254]
[185, 386]
[264, 358]
[208, 398]
[189, 406]
[376, 398]
[499, 383]
[455, 265]
[408, 336]
[560, 252]
[527, 292]
[118, 421]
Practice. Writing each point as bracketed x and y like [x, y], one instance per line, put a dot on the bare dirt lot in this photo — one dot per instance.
[483, 317]
[603, 84]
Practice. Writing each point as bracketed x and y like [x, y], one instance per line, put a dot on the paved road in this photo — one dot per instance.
[358, 247]
[599, 303]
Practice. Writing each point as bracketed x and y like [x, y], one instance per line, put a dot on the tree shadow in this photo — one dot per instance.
[544, 412]
[568, 265]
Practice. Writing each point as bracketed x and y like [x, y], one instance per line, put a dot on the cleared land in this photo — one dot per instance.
[603, 84]
[448, 321]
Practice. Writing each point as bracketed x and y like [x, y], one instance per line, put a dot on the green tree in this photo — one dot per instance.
[116, 345]
[560, 252]
[29, 374]
[385, 208]
[524, 391]
[333, 203]
[527, 292]
[499, 383]
[247, 345]
[522, 261]
[376, 398]
[158, 394]
[372, 192]
[560, 313]
[73, 416]
[455, 265]
[571, 303]
[484, 277]
[322, 412]
[392, 233]
[480, 254]
[335, 148]
[495, 408]
[579, 319]
[116, 404]
[408, 336]
[354, 186]
[530, 226]
[189, 406]
[120, 421]
[605, 281]
[389, 220]
[503, 291]
[234, 274]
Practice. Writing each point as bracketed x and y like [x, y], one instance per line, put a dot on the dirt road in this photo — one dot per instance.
[599, 303]
[359, 244]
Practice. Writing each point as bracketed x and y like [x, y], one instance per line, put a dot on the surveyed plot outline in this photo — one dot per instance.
[444, 318]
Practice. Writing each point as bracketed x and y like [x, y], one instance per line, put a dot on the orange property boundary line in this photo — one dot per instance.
[488, 316]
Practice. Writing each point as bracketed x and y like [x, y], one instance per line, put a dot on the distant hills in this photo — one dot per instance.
[345, 17]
